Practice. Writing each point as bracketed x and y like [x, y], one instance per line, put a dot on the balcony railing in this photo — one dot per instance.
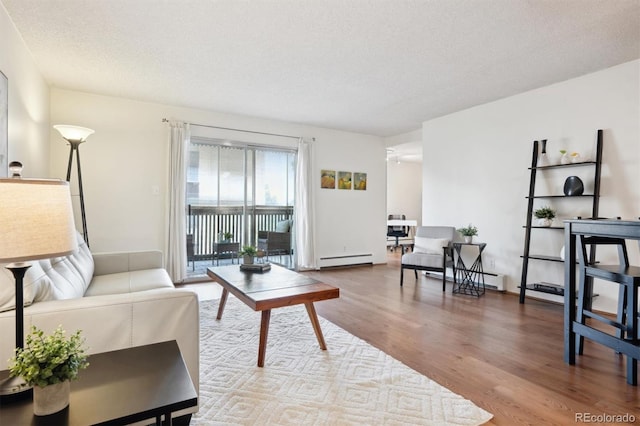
[207, 224]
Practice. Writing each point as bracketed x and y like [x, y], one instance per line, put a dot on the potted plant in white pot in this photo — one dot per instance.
[544, 215]
[49, 363]
[468, 232]
[248, 253]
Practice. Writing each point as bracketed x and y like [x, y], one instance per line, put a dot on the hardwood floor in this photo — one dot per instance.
[504, 356]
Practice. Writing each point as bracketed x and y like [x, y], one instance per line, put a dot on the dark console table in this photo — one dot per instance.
[118, 387]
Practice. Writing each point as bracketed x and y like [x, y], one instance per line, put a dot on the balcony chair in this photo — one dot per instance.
[276, 242]
[397, 232]
[432, 252]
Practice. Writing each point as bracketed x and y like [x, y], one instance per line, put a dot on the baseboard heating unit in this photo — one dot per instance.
[346, 260]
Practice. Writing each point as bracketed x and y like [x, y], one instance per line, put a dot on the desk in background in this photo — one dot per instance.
[395, 242]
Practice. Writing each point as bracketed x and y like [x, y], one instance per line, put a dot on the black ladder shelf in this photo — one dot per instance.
[527, 255]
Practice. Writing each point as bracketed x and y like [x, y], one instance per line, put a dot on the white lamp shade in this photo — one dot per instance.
[73, 133]
[36, 220]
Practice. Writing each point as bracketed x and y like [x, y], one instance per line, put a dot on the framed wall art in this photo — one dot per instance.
[328, 179]
[360, 181]
[344, 180]
[4, 125]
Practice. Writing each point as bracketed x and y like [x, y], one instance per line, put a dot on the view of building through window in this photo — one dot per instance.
[216, 175]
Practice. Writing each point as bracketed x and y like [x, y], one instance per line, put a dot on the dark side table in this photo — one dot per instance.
[469, 279]
[231, 248]
[117, 388]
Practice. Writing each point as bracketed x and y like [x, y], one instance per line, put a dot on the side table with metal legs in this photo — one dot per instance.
[469, 279]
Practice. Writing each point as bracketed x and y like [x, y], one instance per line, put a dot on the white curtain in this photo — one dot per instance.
[304, 223]
[176, 250]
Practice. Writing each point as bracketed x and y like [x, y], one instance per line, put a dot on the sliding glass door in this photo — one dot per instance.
[234, 191]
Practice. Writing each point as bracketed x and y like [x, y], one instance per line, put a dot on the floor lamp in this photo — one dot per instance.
[75, 135]
[36, 222]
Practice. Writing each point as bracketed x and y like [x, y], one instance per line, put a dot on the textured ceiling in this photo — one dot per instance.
[379, 67]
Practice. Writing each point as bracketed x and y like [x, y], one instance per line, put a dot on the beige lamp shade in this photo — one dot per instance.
[36, 220]
[74, 133]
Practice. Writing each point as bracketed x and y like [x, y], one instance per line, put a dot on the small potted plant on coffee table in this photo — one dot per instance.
[248, 253]
[468, 232]
[49, 363]
[544, 215]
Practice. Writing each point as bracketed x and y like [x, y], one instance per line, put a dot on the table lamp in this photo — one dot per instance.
[36, 222]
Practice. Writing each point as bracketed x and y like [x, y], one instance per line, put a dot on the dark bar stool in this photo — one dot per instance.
[628, 277]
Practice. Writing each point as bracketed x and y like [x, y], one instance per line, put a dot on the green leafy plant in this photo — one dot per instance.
[47, 360]
[545, 212]
[468, 231]
[228, 235]
[248, 251]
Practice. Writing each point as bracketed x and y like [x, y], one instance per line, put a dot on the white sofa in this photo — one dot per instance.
[118, 300]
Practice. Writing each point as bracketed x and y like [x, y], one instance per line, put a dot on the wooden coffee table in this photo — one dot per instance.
[263, 291]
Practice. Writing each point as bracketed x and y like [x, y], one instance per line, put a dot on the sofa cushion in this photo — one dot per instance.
[69, 276]
[129, 282]
[423, 259]
[8, 288]
[50, 279]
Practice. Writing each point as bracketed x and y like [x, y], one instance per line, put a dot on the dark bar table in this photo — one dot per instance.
[627, 229]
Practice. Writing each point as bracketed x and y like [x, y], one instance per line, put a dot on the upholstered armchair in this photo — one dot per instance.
[276, 242]
[432, 251]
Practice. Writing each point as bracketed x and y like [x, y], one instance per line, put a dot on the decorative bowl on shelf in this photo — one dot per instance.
[573, 186]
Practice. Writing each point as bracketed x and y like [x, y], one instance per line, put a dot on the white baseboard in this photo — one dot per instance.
[345, 260]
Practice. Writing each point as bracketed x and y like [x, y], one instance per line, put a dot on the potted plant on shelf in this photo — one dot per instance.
[468, 232]
[248, 253]
[544, 215]
[49, 363]
[228, 236]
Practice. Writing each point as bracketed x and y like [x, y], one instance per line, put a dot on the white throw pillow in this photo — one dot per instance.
[282, 226]
[429, 245]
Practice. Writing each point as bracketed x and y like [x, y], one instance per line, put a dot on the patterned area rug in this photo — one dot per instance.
[351, 383]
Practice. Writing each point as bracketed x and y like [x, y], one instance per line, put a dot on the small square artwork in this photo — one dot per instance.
[328, 179]
[344, 180]
[360, 181]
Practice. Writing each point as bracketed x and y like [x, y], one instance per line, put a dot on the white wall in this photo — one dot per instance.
[476, 167]
[28, 102]
[404, 189]
[127, 157]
